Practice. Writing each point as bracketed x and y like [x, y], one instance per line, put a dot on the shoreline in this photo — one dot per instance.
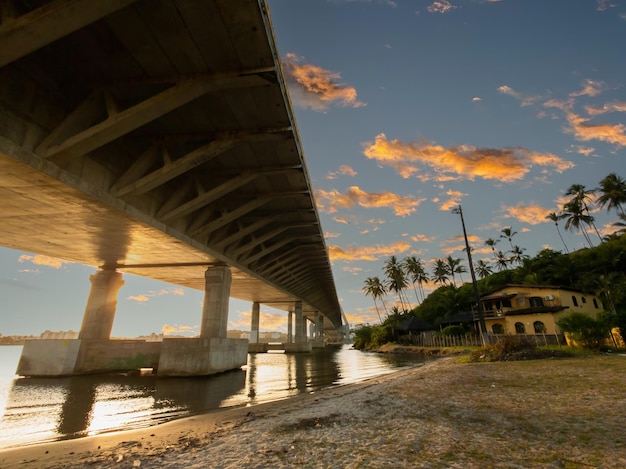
[558, 412]
[156, 440]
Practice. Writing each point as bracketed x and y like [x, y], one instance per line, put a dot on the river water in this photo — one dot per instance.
[35, 410]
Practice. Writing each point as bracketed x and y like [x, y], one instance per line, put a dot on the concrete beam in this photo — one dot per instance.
[44, 25]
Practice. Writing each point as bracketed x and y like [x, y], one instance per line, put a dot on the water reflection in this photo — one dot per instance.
[46, 409]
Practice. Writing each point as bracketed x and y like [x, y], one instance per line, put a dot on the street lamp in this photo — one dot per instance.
[481, 316]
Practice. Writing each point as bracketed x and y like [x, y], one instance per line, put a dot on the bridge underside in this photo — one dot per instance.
[156, 137]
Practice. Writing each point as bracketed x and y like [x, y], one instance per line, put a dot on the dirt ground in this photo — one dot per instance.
[555, 413]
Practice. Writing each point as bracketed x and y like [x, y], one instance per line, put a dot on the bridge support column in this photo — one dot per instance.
[254, 329]
[318, 336]
[93, 351]
[254, 346]
[290, 327]
[300, 344]
[101, 305]
[212, 352]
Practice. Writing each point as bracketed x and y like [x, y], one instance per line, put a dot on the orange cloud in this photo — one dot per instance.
[316, 88]
[617, 106]
[525, 99]
[582, 130]
[366, 253]
[457, 243]
[441, 6]
[42, 260]
[180, 329]
[453, 202]
[590, 88]
[532, 213]
[421, 238]
[331, 201]
[505, 165]
[144, 297]
[342, 171]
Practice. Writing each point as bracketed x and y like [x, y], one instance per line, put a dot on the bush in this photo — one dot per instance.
[586, 331]
[512, 348]
[453, 330]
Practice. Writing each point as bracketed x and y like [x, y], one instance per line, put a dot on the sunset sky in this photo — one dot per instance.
[407, 109]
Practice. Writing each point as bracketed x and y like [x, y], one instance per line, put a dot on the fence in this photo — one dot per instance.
[429, 339]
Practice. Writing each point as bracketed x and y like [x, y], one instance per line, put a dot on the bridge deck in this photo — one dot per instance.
[157, 136]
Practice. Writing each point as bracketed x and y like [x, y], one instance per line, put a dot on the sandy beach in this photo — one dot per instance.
[561, 413]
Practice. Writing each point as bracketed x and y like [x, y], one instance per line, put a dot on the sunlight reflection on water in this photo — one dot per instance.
[46, 409]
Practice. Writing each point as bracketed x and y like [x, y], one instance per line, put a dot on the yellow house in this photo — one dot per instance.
[534, 309]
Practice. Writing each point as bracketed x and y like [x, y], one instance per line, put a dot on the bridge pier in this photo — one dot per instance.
[253, 345]
[212, 352]
[317, 338]
[93, 351]
[300, 344]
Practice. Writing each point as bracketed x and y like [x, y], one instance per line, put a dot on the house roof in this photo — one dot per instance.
[492, 293]
[462, 317]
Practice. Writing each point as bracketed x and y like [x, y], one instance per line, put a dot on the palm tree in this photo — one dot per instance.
[440, 272]
[414, 268]
[374, 288]
[621, 224]
[502, 262]
[581, 196]
[396, 280]
[575, 218]
[555, 218]
[454, 267]
[508, 233]
[483, 269]
[612, 192]
[492, 244]
[517, 255]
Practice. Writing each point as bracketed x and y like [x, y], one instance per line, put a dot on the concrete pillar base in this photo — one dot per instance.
[201, 356]
[257, 348]
[318, 343]
[65, 357]
[298, 347]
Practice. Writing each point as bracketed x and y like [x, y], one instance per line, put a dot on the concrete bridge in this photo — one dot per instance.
[156, 137]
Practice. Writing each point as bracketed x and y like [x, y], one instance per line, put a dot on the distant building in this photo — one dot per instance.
[534, 309]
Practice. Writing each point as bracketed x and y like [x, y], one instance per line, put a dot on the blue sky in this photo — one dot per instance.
[406, 109]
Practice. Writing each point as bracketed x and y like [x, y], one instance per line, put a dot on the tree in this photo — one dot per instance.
[454, 267]
[508, 233]
[440, 272]
[517, 255]
[555, 218]
[576, 218]
[492, 244]
[483, 269]
[502, 262]
[414, 268]
[621, 224]
[374, 288]
[581, 197]
[396, 280]
[612, 191]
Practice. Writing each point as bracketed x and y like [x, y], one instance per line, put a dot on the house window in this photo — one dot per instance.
[574, 300]
[506, 303]
[583, 299]
[595, 303]
[536, 302]
[519, 328]
[497, 329]
[540, 327]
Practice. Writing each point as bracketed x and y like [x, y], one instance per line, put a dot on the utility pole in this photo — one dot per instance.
[481, 316]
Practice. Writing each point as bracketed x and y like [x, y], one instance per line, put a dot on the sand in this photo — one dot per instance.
[565, 413]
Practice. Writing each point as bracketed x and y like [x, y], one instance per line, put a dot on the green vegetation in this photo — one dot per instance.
[599, 270]
[586, 331]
